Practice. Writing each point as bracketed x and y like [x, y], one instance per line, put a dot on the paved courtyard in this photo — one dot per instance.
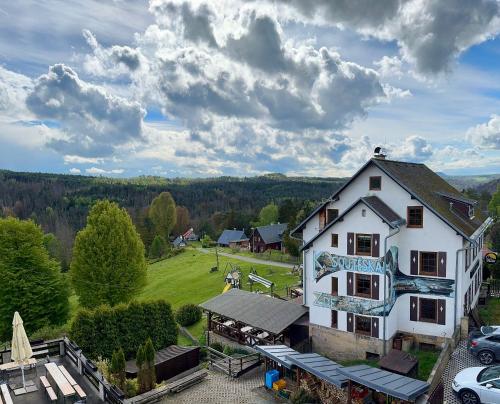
[460, 359]
[219, 388]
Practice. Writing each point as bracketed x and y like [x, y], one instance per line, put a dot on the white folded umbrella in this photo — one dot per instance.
[21, 348]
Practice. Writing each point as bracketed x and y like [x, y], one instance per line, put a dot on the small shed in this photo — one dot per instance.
[400, 362]
[231, 236]
[169, 362]
[387, 383]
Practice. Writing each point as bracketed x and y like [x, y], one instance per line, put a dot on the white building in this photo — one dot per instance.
[431, 238]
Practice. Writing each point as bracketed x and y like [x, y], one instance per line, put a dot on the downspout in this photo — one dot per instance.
[398, 229]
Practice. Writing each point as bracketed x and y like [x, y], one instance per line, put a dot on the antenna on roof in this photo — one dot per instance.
[379, 153]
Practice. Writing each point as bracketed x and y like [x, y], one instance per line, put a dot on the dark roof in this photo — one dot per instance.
[424, 185]
[178, 241]
[402, 387]
[398, 361]
[231, 235]
[258, 310]
[320, 366]
[459, 198]
[376, 205]
[428, 187]
[272, 233]
[277, 353]
[163, 355]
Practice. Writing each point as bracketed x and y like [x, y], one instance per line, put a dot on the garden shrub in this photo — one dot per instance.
[217, 346]
[101, 331]
[49, 332]
[188, 314]
[228, 350]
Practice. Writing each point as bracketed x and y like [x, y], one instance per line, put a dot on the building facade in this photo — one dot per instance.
[395, 251]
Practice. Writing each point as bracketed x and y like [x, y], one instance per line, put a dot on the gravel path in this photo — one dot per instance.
[249, 259]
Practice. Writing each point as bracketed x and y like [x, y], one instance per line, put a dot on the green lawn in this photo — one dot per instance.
[490, 313]
[426, 361]
[185, 278]
[269, 255]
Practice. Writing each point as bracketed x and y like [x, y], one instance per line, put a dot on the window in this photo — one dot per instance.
[331, 215]
[363, 212]
[415, 216]
[428, 263]
[363, 285]
[428, 310]
[335, 240]
[363, 244]
[492, 372]
[363, 325]
[334, 319]
[335, 286]
[375, 183]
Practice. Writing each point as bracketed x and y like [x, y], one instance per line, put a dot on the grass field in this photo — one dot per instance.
[490, 313]
[269, 255]
[186, 278]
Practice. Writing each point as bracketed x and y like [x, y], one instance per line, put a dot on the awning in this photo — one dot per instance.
[320, 367]
[277, 353]
[260, 311]
[402, 387]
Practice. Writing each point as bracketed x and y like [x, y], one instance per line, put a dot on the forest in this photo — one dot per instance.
[60, 203]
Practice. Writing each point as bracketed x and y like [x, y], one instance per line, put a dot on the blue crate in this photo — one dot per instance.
[271, 377]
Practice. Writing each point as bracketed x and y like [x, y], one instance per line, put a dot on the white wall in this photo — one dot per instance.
[436, 235]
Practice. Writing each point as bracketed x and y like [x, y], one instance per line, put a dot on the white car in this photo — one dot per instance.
[478, 385]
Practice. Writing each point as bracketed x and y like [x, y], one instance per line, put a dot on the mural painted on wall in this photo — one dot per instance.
[398, 283]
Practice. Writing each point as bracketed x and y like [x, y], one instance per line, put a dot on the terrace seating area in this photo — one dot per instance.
[57, 372]
[256, 319]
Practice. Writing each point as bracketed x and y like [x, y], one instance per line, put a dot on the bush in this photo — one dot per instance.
[228, 350]
[217, 346]
[188, 314]
[131, 387]
[101, 331]
[206, 241]
[49, 332]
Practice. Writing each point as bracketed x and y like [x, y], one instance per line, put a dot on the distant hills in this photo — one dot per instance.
[479, 183]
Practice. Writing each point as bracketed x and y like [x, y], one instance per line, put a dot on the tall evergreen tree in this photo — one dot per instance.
[494, 205]
[140, 360]
[30, 281]
[149, 356]
[108, 265]
[117, 367]
[163, 214]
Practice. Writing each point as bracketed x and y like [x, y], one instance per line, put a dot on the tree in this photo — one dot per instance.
[494, 205]
[31, 282]
[117, 368]
[495, 237]
[163, 214]
[108, 265]
[149, 362]
[292, 246]
[182, 221]
[268, 214]
[141, 377]
[158, 247]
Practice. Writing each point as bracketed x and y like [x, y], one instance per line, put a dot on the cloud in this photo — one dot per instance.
[14, 88]
[390, 67]
[429, 33]
[74, 170]
[72, 159]
[100, 171]
[94, 121]
[486, 135]
[413, 148]
[110, 62]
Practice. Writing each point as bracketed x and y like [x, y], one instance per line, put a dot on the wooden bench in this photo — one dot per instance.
[6, 394]
[80, 392]
[48, 388]
[188, 381]
[67, 375]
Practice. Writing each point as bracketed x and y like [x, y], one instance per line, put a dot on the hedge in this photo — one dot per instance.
[101, 331]
[188, 314]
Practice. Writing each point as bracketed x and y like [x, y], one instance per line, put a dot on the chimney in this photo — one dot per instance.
[378, 153]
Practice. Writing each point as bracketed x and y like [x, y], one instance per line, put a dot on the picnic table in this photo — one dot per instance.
[15, 365]
[56, 376]
[229, 323]
[246, 328]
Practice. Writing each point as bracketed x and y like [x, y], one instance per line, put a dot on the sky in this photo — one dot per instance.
[205, 88]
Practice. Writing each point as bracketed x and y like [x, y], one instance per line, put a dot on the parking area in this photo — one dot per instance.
[460, 359]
